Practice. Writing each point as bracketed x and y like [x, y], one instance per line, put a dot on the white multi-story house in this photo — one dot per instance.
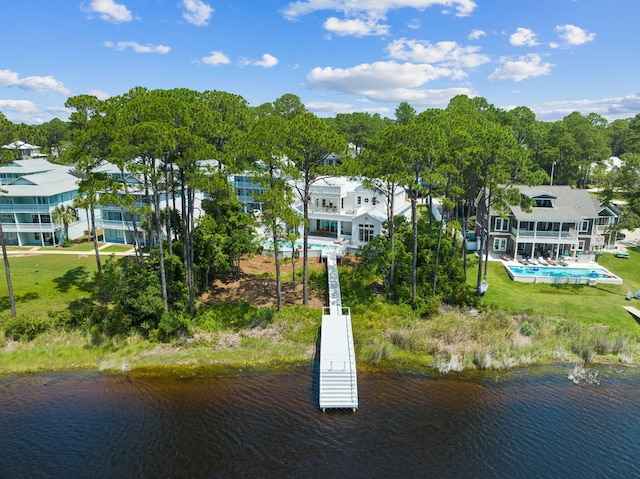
[347, 211]
[33, 188]
[560, 221]
[24, 151]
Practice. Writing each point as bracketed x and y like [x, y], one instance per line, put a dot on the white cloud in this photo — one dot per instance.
[420, 97]
[268, 61]
[447, 53]
[528, 66]
[137, 47]
[33, 83]
[329, 107]
[197, 12]
[364, 17]
[375, 76]
[373, 7]
[476, 34]
[523, 37]
[387, 82]
[216, 58]
[414, 24]
[109, 11]
[20, 106]
[610, 108]
[99, 94]
[573, 35]
[358, 27]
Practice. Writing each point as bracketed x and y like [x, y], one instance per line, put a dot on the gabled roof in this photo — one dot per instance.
[37, 177]
[20, 145]
[571, 204]
[27, 167]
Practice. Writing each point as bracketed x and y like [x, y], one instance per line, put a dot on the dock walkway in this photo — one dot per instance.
[338, 376]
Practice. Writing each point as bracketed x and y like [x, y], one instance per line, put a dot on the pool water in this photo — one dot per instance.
[286, 245]
[561, 274]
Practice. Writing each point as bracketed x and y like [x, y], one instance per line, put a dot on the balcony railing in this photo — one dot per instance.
[31, 209]
[29, 227]
[570, 234]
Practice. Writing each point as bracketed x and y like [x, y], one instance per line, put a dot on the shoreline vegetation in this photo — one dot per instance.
[518, 324]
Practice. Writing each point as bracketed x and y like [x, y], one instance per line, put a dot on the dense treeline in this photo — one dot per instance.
[177, 142]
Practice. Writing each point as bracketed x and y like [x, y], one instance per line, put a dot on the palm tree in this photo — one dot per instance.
[65, 214]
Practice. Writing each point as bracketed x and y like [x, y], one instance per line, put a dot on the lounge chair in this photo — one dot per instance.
[637, 296]
[629, 296]
[551, 262]
[543, 261]
[532, 261]
[621, 254]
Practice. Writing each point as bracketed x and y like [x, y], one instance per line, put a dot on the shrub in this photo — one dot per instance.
[375, 352]
[27, 327]
[170, 324]
[527, 329]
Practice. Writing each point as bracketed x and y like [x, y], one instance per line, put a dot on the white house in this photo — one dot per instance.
[347, 211]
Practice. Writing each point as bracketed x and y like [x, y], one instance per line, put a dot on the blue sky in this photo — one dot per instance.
[338, 56]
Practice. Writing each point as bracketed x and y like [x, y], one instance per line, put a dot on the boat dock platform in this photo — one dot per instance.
[338, 376]
[633, 311]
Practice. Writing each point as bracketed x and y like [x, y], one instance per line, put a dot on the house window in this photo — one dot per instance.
[502, 224]
[581, 246]
[366, 233]
[324, 202]
[359, 200]
[366, 200]
[45, 218]
[328, 226]
[584, 227]
[499, 244]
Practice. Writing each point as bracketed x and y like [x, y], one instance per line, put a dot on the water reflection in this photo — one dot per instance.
[527, 423]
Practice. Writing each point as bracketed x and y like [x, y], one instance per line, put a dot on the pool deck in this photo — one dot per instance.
[610, 278]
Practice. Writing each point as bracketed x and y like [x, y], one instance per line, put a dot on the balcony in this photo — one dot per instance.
[544, 236]
[29, 227]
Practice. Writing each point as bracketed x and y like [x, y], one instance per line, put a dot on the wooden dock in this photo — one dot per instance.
[338, 376]
[633, 311]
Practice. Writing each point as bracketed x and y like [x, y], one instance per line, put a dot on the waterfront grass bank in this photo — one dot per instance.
[519, 324]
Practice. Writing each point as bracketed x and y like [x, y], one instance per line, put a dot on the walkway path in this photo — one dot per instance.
[338, 376]
[74, 252]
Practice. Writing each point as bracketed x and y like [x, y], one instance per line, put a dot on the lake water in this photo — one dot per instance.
[529, 423]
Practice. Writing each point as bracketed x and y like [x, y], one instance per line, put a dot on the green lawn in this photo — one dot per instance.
[117, 248]
[47, 282]
[599, 304]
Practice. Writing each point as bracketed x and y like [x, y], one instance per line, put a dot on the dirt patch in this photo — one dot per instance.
[257, 284]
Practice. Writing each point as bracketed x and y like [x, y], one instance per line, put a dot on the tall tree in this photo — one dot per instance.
[310, 140]
[90, 139]
[405, 113]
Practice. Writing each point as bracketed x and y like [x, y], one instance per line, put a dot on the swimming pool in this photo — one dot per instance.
[315, 250]
[286, 245]
[561, 275]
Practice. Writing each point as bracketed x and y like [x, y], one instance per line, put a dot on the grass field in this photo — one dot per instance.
[599, 304]
[47, 282]
[523, 323]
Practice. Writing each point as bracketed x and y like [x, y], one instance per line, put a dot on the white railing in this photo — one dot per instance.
[544, 235]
